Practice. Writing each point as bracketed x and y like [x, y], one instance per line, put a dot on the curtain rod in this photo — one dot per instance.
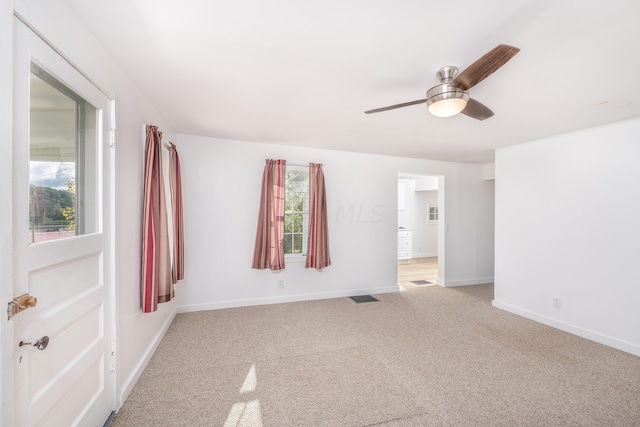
[164, 143]
[299, 165]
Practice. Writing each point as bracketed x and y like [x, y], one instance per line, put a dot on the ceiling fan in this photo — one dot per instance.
[451, 96]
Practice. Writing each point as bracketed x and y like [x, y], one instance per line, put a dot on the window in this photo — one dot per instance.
[296, 215]
[63, 145]
[433, 213]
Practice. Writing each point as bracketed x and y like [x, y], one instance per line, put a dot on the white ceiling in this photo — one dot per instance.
[303, 72]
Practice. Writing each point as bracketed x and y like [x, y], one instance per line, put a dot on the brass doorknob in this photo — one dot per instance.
[41, 344]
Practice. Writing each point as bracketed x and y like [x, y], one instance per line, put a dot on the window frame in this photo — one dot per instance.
[432, 212]
[87, 205]
[298, 257]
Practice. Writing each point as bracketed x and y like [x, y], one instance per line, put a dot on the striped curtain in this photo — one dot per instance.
[269, 247]
[318, 241]
[177, 268]
[157, 284]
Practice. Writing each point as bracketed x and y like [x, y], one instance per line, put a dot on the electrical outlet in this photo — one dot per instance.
[557, 302]
[280, 284]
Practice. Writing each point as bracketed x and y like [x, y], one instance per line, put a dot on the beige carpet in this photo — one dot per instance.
[425, 357]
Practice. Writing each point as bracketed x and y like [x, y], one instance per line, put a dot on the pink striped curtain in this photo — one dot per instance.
[157, 284]
[269, 247]
[175, 178]
[318, 241]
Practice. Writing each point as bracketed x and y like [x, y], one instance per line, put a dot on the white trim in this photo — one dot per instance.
[572, 329]
[53, 47]
[285, 299]
[109, 228]
[424, 255]
[130, 382]
[295, 258]
[467, 282]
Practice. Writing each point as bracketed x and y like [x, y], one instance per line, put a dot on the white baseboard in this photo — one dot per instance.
[424, 255]
[572, 329]
[131, 381]
[284, 299]
[467, 282]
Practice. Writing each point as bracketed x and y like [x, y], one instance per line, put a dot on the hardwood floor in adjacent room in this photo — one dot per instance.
[417, 269]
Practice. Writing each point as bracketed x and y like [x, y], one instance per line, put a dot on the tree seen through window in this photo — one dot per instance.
[296, 216]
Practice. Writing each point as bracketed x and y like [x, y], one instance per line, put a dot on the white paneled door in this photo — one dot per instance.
[61, 241]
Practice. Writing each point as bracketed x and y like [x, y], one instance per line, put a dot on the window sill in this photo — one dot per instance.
[295, 258]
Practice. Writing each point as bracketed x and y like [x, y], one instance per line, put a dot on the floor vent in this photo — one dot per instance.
[421, 282]
[364, 298]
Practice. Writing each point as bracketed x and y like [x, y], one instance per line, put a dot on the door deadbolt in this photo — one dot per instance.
[20, 303]
[41, 344]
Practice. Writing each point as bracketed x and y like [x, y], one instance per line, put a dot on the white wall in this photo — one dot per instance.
[221, 186]
[489, 171]
[567, 227]
[426, 183]
[137, 333]
[425, 242]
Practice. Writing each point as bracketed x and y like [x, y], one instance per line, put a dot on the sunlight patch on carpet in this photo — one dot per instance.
[342, 390]
[250, 380]
[244, 414]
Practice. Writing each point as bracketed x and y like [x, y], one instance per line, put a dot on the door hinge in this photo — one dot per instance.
[113, 361]
[112, 138]
[19, 304]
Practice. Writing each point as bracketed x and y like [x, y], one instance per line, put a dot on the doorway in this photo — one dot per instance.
[420, 230]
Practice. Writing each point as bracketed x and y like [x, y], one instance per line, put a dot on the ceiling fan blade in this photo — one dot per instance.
[485, 66]
[392, 107]
[476, 110]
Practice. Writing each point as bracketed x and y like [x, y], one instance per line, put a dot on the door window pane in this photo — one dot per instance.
[63, 139]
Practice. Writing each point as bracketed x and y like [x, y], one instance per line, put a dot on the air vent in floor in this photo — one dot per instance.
[364, 298]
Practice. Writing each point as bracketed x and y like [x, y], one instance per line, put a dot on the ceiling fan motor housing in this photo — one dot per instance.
[447, 93]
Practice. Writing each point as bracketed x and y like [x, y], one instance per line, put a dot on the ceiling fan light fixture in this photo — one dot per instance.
[446, 101]
[447, 107]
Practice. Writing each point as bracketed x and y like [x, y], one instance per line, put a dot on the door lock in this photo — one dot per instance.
[41, 344]
[20, 303]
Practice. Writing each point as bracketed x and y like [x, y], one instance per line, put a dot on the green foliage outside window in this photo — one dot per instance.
[52, 208]
[433, 213]
[296, 211]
